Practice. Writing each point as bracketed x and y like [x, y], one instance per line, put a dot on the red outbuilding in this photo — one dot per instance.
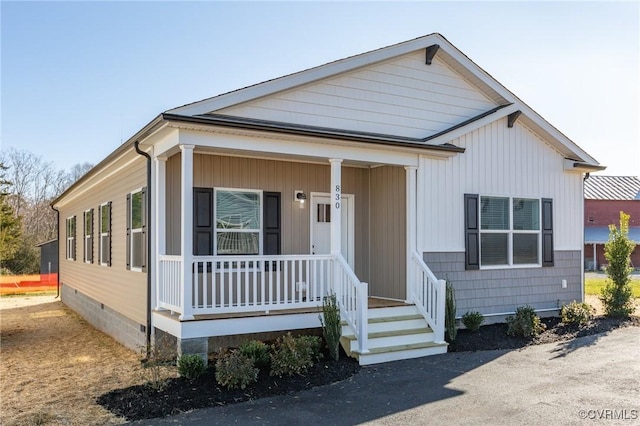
[604, 198]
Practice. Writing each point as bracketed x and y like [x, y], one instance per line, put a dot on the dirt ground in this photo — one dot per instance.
[53, 365]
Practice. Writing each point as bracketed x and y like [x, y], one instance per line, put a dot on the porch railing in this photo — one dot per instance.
[428, 294]
[352, 296]
[233, 284]
[169, 291]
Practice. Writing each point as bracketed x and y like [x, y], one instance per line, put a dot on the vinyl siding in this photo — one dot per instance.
[388, 232]
[279, 176]
[114, 286]
[402, 96]
[498, 161]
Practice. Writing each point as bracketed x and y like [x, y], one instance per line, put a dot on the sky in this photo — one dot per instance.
[80, 78]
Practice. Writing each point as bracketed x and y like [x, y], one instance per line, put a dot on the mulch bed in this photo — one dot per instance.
[180, 395]
[494, 336]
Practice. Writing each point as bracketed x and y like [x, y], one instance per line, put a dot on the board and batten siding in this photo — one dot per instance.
[402, 96]
[215, 171]
[114, 286]
[498, 161]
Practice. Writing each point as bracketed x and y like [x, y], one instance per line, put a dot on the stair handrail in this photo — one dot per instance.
[428, 293]
[352, 296]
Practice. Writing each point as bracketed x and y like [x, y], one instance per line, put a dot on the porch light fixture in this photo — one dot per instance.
[299, 197]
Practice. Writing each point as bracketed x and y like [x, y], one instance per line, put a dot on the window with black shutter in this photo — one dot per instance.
[507, 231]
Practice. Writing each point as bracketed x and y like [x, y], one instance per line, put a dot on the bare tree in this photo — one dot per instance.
[35, 184]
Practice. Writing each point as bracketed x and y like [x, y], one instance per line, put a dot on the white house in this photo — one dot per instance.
[218, 217]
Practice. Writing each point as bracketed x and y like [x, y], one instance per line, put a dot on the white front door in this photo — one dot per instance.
[321, 225]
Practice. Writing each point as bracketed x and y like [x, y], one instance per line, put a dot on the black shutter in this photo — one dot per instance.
[85, 247]
[547, 232]
[272, 234]
[75, 237]
[203, 221]
[91, 236]
[109, 233]
[128, 214]
[471, 232]
[143, 249]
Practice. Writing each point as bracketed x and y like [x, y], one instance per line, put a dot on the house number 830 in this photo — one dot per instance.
[337, 196]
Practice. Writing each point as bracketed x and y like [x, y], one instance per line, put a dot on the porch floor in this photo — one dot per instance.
[373, 303]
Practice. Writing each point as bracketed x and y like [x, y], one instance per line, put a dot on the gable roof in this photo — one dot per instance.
[612, 188]
[444, 50]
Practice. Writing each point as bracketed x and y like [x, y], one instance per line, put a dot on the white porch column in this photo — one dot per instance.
[336, 204]
[411, 228]
[595, 258]
[186, 231]
[160, 223]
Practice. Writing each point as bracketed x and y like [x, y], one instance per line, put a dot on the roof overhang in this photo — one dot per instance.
[581, 167]
[217, 120]
[152, 127]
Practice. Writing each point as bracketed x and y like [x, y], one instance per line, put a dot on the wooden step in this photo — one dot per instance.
[394, 333]
[396, 353]
[392, 338]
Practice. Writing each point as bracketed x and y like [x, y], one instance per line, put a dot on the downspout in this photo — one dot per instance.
[586, 176]
[148, 328]
[58, 242]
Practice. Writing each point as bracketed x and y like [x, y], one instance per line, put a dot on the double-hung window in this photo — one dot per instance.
[508, 231]
[88, 236]
[71, 238]
[136, 230]
[105, 234]
[238, 222]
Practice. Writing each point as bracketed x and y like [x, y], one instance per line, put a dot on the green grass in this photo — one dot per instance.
[593, 286]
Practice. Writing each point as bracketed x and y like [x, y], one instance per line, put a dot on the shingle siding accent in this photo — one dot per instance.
[503, 290]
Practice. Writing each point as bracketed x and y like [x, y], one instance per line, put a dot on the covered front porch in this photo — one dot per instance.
[296, 253]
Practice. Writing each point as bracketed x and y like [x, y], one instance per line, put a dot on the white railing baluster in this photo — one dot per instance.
[429, 296]
[230, 284]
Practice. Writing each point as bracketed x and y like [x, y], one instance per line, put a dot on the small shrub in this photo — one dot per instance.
[258, 351]
[294, 355]
[450, 312]
[331, 329]
[235, 370]
[191, 366]
[472, 320]
[526, 323]
[576, 313]
[158, 363]
[616, 296]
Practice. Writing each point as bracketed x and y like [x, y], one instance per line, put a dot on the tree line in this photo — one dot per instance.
[28, 184]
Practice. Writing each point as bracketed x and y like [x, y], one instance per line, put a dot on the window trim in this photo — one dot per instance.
[88, 237]
[259, 230]
[510, 233]
[101, 235]
[71, 238]
[131, 231]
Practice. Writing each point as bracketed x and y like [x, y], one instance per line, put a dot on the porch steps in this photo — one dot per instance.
[395, 333]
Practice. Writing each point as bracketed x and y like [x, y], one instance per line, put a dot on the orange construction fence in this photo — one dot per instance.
[24, 284]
